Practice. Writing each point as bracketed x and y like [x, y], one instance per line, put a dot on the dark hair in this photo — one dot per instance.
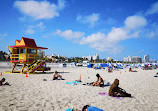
[3, 79]
[85, 107]
[97, 75]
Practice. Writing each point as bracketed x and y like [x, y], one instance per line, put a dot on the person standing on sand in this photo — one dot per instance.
[56, 76]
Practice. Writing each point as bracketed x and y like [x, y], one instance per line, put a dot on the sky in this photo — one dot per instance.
[76, 28]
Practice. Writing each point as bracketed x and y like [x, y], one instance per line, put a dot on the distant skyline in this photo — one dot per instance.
[76, 28]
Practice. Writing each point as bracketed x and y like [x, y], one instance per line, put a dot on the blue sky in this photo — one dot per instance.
[111, 28]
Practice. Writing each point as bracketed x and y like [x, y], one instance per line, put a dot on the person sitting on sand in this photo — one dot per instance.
[2, 82]
[109, 70]
[56, 76]
[117, 91]
[130, 70]
[99, 81]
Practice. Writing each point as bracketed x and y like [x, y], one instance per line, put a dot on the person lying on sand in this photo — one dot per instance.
[130, 70]
[99, 81]
[79, 80]
[156, 75]
[86, 108]
[56, 76]
[91, 108]
[2, 82]
[117, 91]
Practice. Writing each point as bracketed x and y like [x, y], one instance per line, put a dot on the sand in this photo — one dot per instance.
[33, 94]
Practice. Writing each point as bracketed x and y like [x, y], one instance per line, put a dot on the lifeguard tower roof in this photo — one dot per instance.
[26, 42]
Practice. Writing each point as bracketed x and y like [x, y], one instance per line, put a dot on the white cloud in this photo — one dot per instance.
[3, 35]
[41, 26]
[99, 41]
[29, 31]
[39, 10]
[90, 19]
[151, 31]
[135, 22]
[110, 41]
[69, 34]
[153, 9]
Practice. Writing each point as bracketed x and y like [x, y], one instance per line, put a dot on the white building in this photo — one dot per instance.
[87, 57]
[109, 58]
[135, 59]
[96, 57]
[53, 55]
[146, 58]
[41, 53]
[153, 61]
[127, 59]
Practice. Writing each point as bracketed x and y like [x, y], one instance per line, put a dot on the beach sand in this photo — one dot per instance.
[33, 94]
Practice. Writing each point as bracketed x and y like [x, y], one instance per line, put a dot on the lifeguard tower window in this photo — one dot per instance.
[22, 50]
[31, 51]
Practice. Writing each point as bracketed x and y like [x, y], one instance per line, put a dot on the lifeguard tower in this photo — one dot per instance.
[24, 53]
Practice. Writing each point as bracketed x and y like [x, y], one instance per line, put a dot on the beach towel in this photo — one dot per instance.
[51, 80]
[105, 93]
[92, 108]
[74, 82]
[69, 110]
[105, 84]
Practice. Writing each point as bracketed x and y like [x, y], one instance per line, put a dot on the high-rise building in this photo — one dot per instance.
[127, 59]
[153, 61]
[134, 59]
[87, 57]
[146, 58]
[96, 57]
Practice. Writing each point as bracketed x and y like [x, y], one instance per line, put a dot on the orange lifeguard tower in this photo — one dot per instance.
[25, 52]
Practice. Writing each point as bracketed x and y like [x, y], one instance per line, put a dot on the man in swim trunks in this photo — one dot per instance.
[56, 76]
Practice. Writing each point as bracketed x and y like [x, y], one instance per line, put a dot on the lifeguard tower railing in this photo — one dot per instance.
[21, 58]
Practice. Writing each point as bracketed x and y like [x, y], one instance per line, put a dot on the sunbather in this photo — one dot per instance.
[156, 75]
[130, 70]
[2, 82]
[86, 108]
[79, 80]
[99, 82]
[117, 91]
[56, 76]
[91, 108]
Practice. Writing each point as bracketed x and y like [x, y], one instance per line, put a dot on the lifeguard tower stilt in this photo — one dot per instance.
[24, 53]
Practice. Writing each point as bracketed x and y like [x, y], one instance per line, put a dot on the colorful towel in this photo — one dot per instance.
[51, 80]
[74, 82]
[69, 110]
[105, 93]
[105, 84]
